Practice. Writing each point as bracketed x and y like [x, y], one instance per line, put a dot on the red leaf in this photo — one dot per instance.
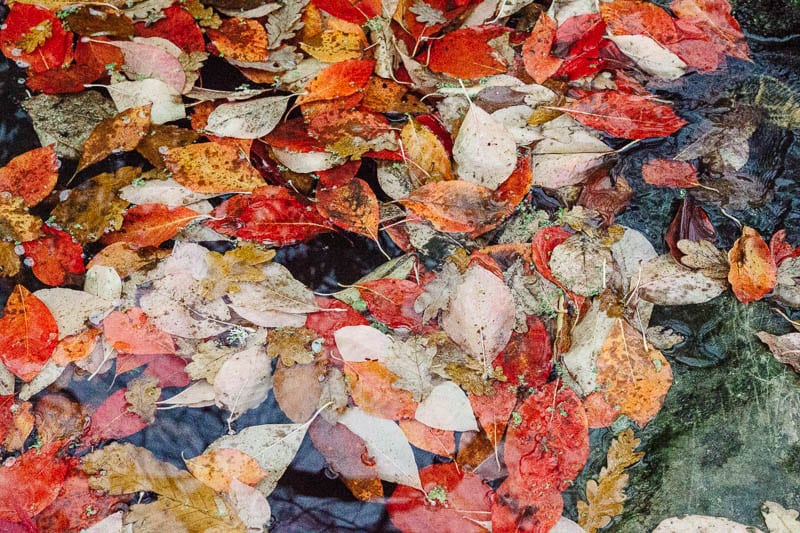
[625, 115]
[338, 80]
[333, 316]
[753, 271]
[372, 389]
[29, 483]
[633, 17]
[465, 53]
[543, 243]
[31, 175]
[780, 249]
[151, 225]
[696, 49]
[468, 502]
[692, 223]
[34, 36]
[351, 206]
[177, 26]
[54, 256]
[452, 206]
[168, 369]
[670, 173]
[113, 420]
[292, 135]
[526, 507]
[539, 64]
[527, 359]
[493, 410]
[91, 58]
[586, 33]
[551, 443]
[28, 334]
[131, 332]
[271, 215]
[714, 17]
[392, 302]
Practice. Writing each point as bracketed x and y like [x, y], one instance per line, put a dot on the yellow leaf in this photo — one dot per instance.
[605, 497]
[235, 266]
[427, 157]
[9, 260]
[35, 36]
[16, 224]
[292, 345]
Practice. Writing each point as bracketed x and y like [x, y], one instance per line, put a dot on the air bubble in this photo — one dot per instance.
[163, 150]
[28, 262]
[58, 163]
[329, 473]
[22, 64]
[19, 249]
[3, 26]
[16, 52]
[63, 195]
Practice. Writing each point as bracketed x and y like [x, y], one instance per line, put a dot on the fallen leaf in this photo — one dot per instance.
[665, 282]
[247, 120]
[126, 469]
[31, 482]
[447, 407]
[251, 506]
[581, 265]
[753, 272]
[539, 64]
[16, 224]
[54, 257]
[243, 381]
[362, 343]
[605, 497]
[217, 468]
[526, 506]
[625, 115]
[71, 308]
[298, 389]
[28, 334]
[338, 80]
[240, 39]
[34, 36]
[142, 395]
[452, 206]
[350, 205]
[651, 56]
[121, 133]
[132, 332]
[785, 348]
[144, 58]
[164, 101]
[58, 417]
[484, 151]
[436, 441]
[151, 225]
[212, 168]
[371, 387]
[31, 175]
[429, 159]
[695, 522]
[780, 519]
[466, 53]
[714, 17]
[392, 302]
[670, 173]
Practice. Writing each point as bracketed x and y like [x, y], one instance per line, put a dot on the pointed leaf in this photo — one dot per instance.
[28, 334]
[121, 133]
[625, 115]
[484, 151]
[338, 80]
[539, 64]
[247, 120]
[753, 272]
[448, 408]
[31, 175]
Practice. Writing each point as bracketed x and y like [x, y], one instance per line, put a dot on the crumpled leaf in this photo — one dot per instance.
[284, 23]
[31, 175]
[28, 334]
[484, 151]
[753, 272]
[121, 133]
[605, 497]
[387, 444]
[704, 257]
[125, 469]
[142, 395]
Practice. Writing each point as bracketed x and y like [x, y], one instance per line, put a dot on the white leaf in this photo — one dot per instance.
[665, 282]
[305, 162]
[248, 306]
[7, 381]
[631, 252]
[72, 308]
[650, 56]
[387, 444]
[198, 394]
[273, 446]
[110, 524]
[362, 343]
[251, 506]
[254, 13]
[565, 135]
[588, 338]
[480, 315]
[702, 524]
[243, 381]
[561, 10]
[204, 95]
[103, 282]
[143, 60]
[554, 171]
[247, 120]
[167, 103]
[447, 408]
[167, 192]
[484, 151]
[515, 119]
[779, 519]
[46, 377]
[565, 525]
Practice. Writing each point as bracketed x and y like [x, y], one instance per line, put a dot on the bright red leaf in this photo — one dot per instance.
[453, 500]
[177, 26]
[625, 115]
[527, 359]
[54, 256]
[633, 17]
[34, 36]
[31, 175]
[338, 80]
[392, 302]
[466, 53]
[526, 507]
[493, 410]
[113, 420]
[270, 214]
[332, 316]
[543, 243]
[91, 59]
[539, 64]
[28, 334]
[30, 482]
[151, 225]
[780, 249]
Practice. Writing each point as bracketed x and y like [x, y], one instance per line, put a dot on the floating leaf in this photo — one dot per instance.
[338, 80]
[371, 387]
[605, 497]
[212, 168]
[785, 348]
[448, 408]
[31, 175]
[665, 282]
[131, 332]
[298, 389]
[28, 334]
[121, 133]
[351, 205]
[166, 104]
[392, 302]
[35, 36]
[581, 265]
[16, 224]
[484, 151]
[113, 420]
[243, 381]
[452, 206]
[54, 256]
[31, 482]
[539, 64]
[715, 19]
[145, 59]
[362, 343]
[466, 53]
[670, 173]
[240, 39]
[247, 120]
[151, 225]
[625, 115]
[753, 272]
[217, 468]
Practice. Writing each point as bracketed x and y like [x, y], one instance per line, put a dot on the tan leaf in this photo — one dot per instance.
[704, 256]
[16, 224]
[120, 133]
[212, 168]
[142, 395]
[292, 345]
[238, 265]
[428, 160]
[216, 468]
[9, 260]
[126, 469]
[605, 497]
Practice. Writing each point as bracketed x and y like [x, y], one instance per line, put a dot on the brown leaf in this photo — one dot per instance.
[428, 160]
[9, 260]
[292, 345]
[785, 348]
[161, 138]
[705, 257]
[298, 388]
[605, 497]
[120, 133]
[16, 224]
[142, 395]
[212, 168]
[217, 468]
[242, 264]
[126, 469]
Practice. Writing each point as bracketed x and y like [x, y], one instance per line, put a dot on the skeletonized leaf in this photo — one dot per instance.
[387, 444]
[484, 151]
[448, 408]
[247, 120]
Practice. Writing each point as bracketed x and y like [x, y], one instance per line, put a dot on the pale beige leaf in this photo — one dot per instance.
[243, 381]
[484, 151]
[448, 408]
[702, 524]
[362, 343]
[779, 519]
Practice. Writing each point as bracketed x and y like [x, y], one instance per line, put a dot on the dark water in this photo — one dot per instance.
[309, 498]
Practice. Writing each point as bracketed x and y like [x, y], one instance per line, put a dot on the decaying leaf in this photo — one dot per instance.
[484, 151]
[605, 497]
[212, 168]
[121, 133]
[753, 272]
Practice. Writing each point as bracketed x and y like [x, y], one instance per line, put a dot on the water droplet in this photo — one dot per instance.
[29, 262]
[329, 473]
[85, 39]
[63, 195]
[19, 249]
[3, 26]
[163, 150]
[16, 52]
[22, 64]
[58, 163]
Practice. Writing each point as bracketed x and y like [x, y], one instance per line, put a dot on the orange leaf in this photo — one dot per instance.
[216, 468]
[28, 334]
[454, 206]
[75, 347]
[31, 482]
[151, 225]
[493, 410]
[337, 80]
[31, 175]
[539, 64]
[54, 256]
[625, 115]
[670, 173]
[240, 39]
[632, 377]
[131, 332]
[465, 53]
[371, 388]
[753, 271]
[212, 168]
[437, 441]
[633, 17]
[120, 133]
[350, 205]
[715, 19]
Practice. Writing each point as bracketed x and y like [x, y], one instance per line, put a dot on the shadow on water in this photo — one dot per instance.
[698, 442]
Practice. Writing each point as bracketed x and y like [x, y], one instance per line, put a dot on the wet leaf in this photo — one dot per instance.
[670, 173]
[371, 387]
[779, 519]
[625, 115]
[581, 265]
[350, 205]
[392, 302]
[665, 282]
[298, 389]
[243, 381]
[605, 497]
[31, 482]
[338, 80]
[360, 343]
[31, 175]
[240, 39]
[55, 256]
[71, 309]
[132, 332]
[121, 133]
[436, 441]
[386, 444]
[651, 56]
[142, 395]
[151, 225]
[753, 272]
[695, 522]
[144, 58]
[247, 120]
[522, 506]
[217, 468]
[704, 257]
[539, 64]
[466, 53]
[493, 411]
[451, 499]
[212, 168]
[785, 348]
[57, 417]
[9, 260]
[35, 36]
[16, 224]
[28, 334]
[452, 206]
[447, 407]
[165, 102]
[632, 375]
[715, 19]
[484, 151]
[127, 469]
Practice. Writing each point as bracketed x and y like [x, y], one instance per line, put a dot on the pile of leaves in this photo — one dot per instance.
[498, 337]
